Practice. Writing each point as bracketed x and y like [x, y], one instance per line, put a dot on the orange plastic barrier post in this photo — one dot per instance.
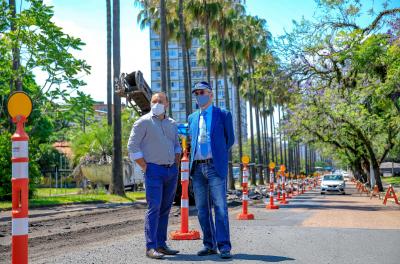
[271, 205]
[282, 171]
[185, 233]
[245, 196]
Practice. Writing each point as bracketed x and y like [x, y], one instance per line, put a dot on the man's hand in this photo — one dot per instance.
[142, 163]
[177, 158]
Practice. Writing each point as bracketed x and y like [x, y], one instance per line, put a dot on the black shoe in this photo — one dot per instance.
[167, 251]
[225, 255]
[206, 252]
[154, 254]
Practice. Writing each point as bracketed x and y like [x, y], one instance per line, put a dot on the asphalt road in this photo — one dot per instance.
[312, 228]
[296, 233]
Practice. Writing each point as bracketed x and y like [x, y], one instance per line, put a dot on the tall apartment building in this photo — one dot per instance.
[177, 99]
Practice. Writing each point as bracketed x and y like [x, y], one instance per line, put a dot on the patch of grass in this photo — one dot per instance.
[91, 197]
[395, 181]
[42, 192]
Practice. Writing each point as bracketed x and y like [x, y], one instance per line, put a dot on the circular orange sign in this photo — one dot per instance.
[19, 104]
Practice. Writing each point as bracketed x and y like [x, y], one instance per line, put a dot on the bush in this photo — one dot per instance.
[5, 166]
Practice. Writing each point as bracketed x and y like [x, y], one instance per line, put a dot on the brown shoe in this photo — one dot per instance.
[167, 251]
[154, 254]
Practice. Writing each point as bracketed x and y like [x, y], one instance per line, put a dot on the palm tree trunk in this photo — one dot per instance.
[109, 82]
[285, 145]
[163, 39]
[184, 58]
[253, 172]
[271, 120]
[189, 79]
[260, 159]
[238, 115]
[280, 134]
[168, 76]
[306, 158]
[266, 137]
[117, 185]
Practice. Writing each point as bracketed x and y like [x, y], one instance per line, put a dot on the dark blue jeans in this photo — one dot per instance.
[210, 192]
[160, 191]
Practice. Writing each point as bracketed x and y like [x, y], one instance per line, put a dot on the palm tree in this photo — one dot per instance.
[109, 84]
[254, 43]
[234, 51]
[149, 15]
[186, 73]
[117, 185]
[205, 12]
[216, 64]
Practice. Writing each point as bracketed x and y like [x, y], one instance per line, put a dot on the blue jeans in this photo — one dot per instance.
[160, 191]
[210, 192]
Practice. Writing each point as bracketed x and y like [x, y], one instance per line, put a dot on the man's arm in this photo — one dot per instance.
[229, 133]
[135, 139]
[178, 149]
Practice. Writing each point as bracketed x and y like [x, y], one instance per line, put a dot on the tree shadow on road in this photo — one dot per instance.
[216, 258]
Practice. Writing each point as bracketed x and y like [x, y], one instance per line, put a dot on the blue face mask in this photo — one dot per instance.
[202, 100]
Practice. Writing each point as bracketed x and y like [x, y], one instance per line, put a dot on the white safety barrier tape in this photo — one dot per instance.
[20, 149]
[19, 226]
[20, 170]
[184, 203]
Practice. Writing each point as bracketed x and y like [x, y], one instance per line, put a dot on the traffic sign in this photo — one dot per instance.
[19, 104]
[272, 165]
[245, 159]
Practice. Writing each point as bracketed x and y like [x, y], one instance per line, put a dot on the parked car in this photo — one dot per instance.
[333, 183]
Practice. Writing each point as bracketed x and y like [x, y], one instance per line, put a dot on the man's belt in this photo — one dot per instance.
[206, 161]
[166, 165]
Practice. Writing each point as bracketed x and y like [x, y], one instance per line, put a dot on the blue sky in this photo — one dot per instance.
[87, 20]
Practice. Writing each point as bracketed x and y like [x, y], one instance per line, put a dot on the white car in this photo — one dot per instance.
[333, 183]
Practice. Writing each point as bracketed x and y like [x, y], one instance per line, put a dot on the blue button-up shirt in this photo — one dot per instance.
[198, 155]
[154, 140]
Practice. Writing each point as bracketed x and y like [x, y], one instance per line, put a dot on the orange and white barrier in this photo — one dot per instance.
[271, 192]
[390, 194]
[244, 215]
[283, 201]
[184, 233]
[20, 192]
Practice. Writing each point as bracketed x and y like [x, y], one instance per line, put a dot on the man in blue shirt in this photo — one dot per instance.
[211, 131]
[154, 145]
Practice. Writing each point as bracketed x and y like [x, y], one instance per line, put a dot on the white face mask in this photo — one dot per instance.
[157, 109]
